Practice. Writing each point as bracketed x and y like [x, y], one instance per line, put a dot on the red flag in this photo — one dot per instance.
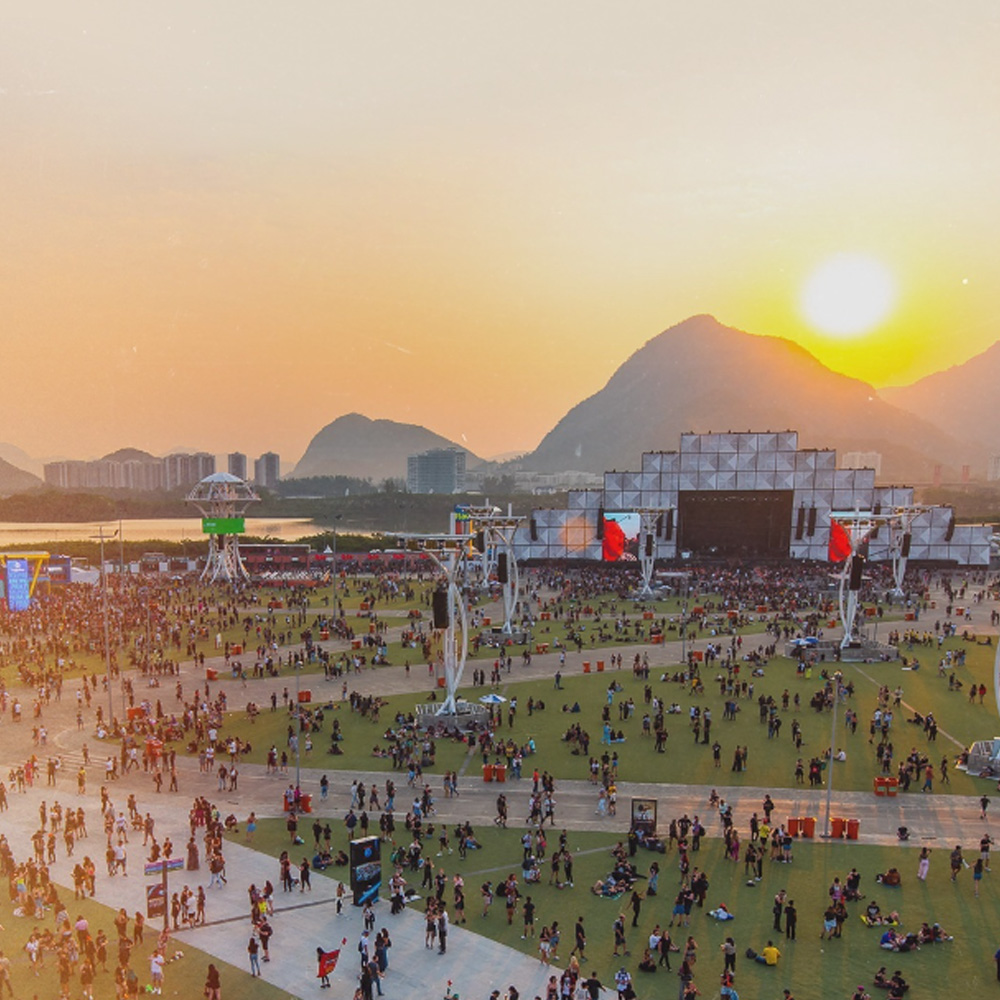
[328, 960]
[840, 542]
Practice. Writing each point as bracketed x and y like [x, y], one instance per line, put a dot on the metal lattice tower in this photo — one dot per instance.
[449, 553]
[223, 497]
[860, 526]
[649, 522]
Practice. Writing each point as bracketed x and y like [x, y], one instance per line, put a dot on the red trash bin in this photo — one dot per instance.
[853, 826]
[792, 826]
[487, 772]
[837, 827]
[305, 803]
[500, 772]
[807, 825]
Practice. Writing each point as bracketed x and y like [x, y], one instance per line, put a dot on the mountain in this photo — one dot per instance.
[15, 480]
[702, 376]
[962, 400]
[128, 455]
[355, 445]
[20, 459]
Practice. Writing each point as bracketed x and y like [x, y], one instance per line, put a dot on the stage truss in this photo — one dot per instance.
[450, 554]
[860, 525]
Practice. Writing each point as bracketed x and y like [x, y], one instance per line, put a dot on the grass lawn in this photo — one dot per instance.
[771, 762]
[821, 970]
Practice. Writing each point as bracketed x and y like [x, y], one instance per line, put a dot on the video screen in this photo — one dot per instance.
[621, 536]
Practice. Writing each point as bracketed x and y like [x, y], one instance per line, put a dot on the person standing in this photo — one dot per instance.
[924, 863]
[156, 963]
[580, 940]
[253, 950]
[728, 948]
[265, 932]
[956, 861]
[442, 929]
[213, 983]
[778, 908]
[791, 919]
[983, 805]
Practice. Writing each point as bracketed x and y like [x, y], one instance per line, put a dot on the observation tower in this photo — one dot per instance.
[222, 500]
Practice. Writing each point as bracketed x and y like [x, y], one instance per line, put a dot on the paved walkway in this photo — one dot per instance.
[303, 922]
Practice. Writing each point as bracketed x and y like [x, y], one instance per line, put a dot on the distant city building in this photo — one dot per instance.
[862, 460]
[267, 470]
[186, 470]
[440, 470]
[237, 465]
[106, 473]
[993, 469]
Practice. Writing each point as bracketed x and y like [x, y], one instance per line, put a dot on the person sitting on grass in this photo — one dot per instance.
[768, 956]
[890, 878]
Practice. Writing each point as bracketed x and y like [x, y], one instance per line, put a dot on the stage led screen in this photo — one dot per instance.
[18, 585]
[621, 536]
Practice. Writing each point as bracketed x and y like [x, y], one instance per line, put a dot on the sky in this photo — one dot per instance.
[224, 225]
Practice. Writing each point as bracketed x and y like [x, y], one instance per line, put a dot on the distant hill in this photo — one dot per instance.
[128, 455]
[702, 376]
[963, 400]
[355, 445]
[20, 458]
[15, 480]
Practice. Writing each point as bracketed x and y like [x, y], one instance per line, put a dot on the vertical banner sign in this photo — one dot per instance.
[156, 901]
[18, 585]
[366, 869]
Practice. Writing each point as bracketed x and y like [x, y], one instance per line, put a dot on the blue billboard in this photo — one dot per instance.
[18, 585]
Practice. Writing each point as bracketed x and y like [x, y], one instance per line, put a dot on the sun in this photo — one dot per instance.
[848, 295]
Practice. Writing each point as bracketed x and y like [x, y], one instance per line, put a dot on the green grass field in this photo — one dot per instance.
[771, 762]
[821, 970]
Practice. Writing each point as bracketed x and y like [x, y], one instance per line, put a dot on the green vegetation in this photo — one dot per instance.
[811, 968]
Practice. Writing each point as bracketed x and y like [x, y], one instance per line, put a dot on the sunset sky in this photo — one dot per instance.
[226, 224]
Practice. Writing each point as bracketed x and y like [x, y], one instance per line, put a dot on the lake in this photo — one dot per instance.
[167, 529]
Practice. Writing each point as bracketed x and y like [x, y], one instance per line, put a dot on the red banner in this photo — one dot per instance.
[328, 960]
[840, 542]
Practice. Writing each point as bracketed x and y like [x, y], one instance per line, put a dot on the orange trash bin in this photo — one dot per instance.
[500, 772]
[487, 772]
[600, 666]
[792, 826]
[586, 666]
[837, 827]
[807, 826]
[853, 826]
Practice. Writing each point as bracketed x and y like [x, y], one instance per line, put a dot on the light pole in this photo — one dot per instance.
[336, 518]
[107, 642]
[298, 727]
[833, 737]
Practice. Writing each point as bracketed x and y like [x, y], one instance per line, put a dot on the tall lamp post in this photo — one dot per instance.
[100, 536]
[336, 518]
[298, 727]
[837, 678]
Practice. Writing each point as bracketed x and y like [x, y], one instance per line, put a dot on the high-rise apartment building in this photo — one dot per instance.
[440, 470]
[267, 470]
